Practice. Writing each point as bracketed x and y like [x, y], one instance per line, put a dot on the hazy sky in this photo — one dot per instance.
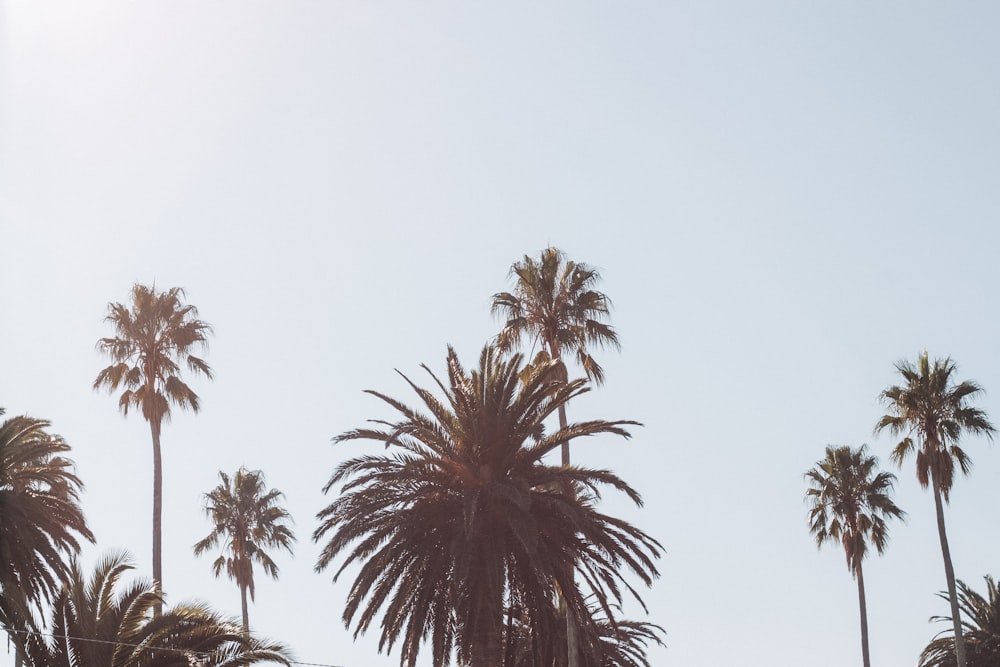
[783, 199]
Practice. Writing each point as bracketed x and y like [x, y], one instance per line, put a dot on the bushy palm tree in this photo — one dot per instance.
[462, 519]
[981, 630]
[41, 522]
[248, 520]
[851, 502]
[155, 335]
[931, 412]
[105, 622]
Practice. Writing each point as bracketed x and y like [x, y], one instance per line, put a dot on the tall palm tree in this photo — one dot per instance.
[931, 412]
[248, 521]
[462, 519]
[981, 630]
[154, 336]
[41, 522]
[104, 622]
[554, 304]
[850, 504]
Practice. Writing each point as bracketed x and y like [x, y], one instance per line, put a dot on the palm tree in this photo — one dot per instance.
[41, 522]
[463, 519]
[932, 412]
[981, 634]
[850, 504]
[248, 521]
[554, 303]
[106, 623]
[154, 336]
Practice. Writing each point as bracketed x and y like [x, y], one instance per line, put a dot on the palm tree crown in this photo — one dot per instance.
[463, 519]
[248, 520]
[155, 335]
[932, 413]
[105, 623]
[554, 303]
[41, 522]
[851, 502]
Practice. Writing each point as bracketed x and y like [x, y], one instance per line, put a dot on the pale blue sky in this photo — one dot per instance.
[783, 198]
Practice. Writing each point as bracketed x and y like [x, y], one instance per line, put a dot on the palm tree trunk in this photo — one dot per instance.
[949, 572]
[572, 648]
[864, 616]
[154, 426]
[246, 616]
[565, 445]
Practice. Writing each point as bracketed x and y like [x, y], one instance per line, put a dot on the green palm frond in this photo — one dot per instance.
[980, 629]
[41, 521]
[106, 622]
[554, 303]
[931, 413]
[155, 334]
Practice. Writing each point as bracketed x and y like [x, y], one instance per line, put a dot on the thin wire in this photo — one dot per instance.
[202, 654]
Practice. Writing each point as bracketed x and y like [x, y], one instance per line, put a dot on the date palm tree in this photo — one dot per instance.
[462, 519]
[931, 412]
[41, 522]
[105, 622]
[155, 335]
[248, 521]
[851, 502]
[981, 630]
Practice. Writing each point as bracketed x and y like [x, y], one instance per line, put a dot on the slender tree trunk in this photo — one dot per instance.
[565, 445]
[949, 573]
[246, 616]
[572, 644]
[154, 426]
[864, 616]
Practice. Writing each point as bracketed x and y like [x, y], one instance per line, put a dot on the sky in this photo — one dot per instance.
[783, 200]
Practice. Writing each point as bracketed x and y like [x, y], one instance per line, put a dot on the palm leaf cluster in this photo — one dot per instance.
[463, 519]
[41, 522]
[980, 625]
[932, 413]
[155, 334]
[107, 622]
[851, 501]
[554, 302]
